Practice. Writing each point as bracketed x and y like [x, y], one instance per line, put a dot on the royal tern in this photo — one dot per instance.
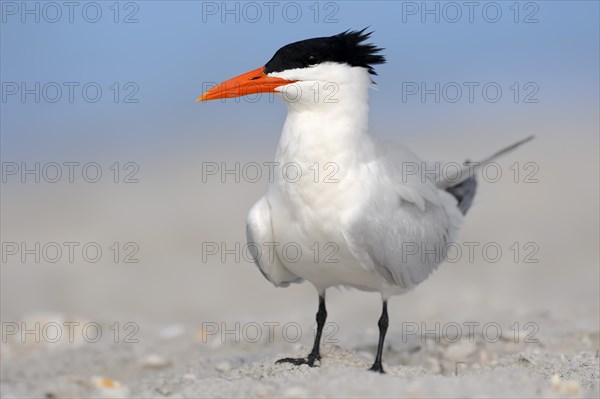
[372, 208]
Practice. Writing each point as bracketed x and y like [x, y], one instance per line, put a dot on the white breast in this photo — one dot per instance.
[317, 182]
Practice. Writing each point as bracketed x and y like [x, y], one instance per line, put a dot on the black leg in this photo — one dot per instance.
[383, 326]
[315, 354]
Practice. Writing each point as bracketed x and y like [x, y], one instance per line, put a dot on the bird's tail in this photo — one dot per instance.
[470, 169]
[463, 184]
[464, 192]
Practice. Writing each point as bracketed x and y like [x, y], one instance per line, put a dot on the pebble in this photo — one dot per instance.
[555, 382]
[155, 361]
[223, 367]
[208, 338]
[516, 336]
[460, 351]
[570, 386]
[172, 331]
[110, 388]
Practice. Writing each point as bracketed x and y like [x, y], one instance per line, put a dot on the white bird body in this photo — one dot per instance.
[335, 218]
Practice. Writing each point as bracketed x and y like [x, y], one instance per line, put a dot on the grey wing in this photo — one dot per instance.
[402, 247]
[403, 239]
[402, 230]
[261, 244]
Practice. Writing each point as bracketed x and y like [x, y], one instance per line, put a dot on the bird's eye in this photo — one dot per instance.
[311, 60]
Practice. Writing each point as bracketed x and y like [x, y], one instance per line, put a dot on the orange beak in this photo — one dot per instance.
[248, 83]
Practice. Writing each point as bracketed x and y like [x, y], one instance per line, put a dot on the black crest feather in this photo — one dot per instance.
[361, 54]
[347, 47]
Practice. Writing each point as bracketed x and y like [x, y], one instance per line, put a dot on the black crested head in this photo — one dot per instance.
[347, 47]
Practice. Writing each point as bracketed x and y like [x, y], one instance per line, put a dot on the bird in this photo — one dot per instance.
[381, 202]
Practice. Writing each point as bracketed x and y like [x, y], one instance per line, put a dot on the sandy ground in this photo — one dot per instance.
[215, 329]
[185, 366]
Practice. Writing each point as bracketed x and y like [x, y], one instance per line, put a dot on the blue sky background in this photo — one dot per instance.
[177, 46]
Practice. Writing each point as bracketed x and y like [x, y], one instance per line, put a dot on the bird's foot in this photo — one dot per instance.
[309, 360]
[377, 367]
